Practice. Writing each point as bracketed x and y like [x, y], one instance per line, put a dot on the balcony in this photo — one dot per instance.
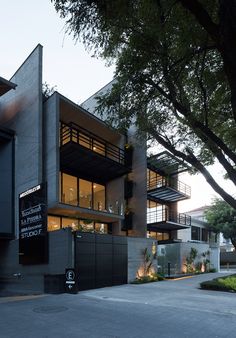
[167, 220]
[88, 155]
[167, 189]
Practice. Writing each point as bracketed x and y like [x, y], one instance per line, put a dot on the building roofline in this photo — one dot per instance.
[77, 106]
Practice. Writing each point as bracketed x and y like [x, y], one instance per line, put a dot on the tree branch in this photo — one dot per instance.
[202, 17]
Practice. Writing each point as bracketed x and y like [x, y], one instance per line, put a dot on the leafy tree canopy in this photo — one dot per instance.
[222, 218]
[175, 72]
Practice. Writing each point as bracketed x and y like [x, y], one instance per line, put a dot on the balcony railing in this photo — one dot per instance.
[157, 182]
[73, 133]
[159, 216]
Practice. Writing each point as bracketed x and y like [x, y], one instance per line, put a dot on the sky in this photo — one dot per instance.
[69, 67]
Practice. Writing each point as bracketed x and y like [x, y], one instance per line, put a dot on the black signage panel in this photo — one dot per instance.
[33, 237]
[71, 281]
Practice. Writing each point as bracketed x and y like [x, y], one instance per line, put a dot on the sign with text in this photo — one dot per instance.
[71, 281]
[33, 241]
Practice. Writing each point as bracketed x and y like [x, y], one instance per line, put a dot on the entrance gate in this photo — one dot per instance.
[100, 260]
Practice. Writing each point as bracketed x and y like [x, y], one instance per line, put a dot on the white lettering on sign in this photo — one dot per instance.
[31, 233]
[30, 191]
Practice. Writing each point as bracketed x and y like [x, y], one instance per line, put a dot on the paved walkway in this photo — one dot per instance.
[168, 309]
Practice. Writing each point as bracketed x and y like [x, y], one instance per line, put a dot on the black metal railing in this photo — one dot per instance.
[73, 133]
[164, 215]
[159, 182]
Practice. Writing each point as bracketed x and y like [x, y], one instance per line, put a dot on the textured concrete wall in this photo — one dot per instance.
[23, 114]
[176, 254]
[51, 152]
[6, 187]
[31, 277]
[135, 257]
[138, 203]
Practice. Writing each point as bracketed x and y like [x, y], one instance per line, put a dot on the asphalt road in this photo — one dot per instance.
[174, 309]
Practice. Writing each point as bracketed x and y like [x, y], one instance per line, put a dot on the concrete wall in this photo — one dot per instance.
[22, 112]
[135, 258]
[51, 152]
[6, 187]
[31, 277]
[138, 203]
[176, 254]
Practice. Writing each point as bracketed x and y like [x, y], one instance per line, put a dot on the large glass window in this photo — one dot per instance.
[69, 189]
[195, 233]
[156, 212]
[99, 147]
[71, 223]
[99, 197]
[204, 235]
[54, 223]
[154, 180]
[85, 194]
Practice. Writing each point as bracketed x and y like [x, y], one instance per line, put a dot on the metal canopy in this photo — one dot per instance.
[5, 86]
[167, 194]
[165, 163]
[166, 226]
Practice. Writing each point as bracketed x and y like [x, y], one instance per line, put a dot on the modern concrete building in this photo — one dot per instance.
[76, 196]
[67, 200]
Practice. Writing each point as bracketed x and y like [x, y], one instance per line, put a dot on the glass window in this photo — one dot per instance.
[99, 197]
[53, 223]
[65, 134]
[85, 194]
[99, 147]
[84, 140]
[70, 222]
[69, 189]
[87, 226]
[195, 233]
[204, 235]
[101, 228]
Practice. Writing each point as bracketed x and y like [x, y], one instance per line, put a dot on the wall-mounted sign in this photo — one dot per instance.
[33, 241]
[71, 281]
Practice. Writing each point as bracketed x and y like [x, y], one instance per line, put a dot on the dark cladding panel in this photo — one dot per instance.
[101, 260]
[33, 236]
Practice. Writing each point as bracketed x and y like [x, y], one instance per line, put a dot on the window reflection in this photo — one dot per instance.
[85, 194]
[98, 197]
[53, 223]
[69, 189]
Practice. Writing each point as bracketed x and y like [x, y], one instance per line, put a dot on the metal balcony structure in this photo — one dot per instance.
[166, 164]
[165, 220]
[90, 156]
[167, 189]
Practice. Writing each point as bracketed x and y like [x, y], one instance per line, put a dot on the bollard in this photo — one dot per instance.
[168, 269]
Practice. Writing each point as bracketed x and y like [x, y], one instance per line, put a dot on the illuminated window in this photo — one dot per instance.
[69, 189]
[99, 147]
[101, 228]
[84, 140]
[85, 194]
[70, 222]
[99, 197]
[53, 223]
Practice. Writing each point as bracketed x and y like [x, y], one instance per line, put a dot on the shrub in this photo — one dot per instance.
[227, 283]
[148, 279]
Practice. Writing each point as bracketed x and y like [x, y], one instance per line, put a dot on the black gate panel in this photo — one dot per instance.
[120, 260]
[85, 259]
[101, 260]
